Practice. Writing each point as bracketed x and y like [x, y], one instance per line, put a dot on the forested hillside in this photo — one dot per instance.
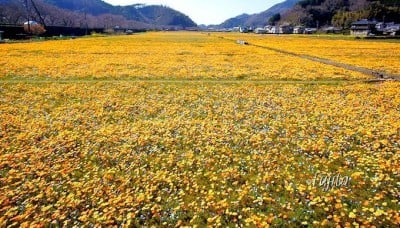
[259, 19]
[91, 13]
[317, 13]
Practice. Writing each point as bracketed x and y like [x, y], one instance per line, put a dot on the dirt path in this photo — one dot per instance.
[377, 74]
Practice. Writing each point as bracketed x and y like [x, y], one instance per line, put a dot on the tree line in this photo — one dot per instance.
[17, 12]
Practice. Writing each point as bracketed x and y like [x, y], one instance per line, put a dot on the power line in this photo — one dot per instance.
[25, 3]
[38, 13]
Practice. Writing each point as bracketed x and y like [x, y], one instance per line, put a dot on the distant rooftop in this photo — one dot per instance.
[364, 22]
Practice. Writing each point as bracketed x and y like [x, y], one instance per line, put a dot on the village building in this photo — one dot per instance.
[393, 30]
[285, 29]
[270, 29]
[388, 29]
[310, 30]
[245, 29]
[332, 30]
[298, 30]
[363, 28]
[260, 31]
[236, 29]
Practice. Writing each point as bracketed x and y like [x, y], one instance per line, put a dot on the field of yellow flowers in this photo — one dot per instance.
[85, 141]
[374, 55]
[159, 56]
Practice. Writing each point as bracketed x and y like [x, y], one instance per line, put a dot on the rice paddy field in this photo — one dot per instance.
[193, 129]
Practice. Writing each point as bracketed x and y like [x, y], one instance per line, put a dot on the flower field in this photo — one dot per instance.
[192, 130]
[375, 55]
[155, 56]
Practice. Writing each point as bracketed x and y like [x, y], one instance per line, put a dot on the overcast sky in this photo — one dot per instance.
[207, 11]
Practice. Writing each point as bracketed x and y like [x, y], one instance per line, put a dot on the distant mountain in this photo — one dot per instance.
[259, 19]
[96, 13]
[150, 14]
[94, 7]
[155, 15]
[235, 21]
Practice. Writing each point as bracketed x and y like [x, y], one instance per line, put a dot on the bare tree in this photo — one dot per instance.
[11, 13]
[20, 11]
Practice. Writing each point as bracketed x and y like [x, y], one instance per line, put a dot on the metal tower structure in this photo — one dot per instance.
[27, 4]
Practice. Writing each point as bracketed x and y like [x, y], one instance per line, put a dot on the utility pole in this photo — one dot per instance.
[27, 14]
[38, 13]
[85, 13]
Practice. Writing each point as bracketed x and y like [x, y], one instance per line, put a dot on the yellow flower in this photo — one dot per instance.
[379, 212]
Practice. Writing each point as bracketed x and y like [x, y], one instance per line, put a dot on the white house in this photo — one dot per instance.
[298, 30]
[260, 31]
[271, 29]
[285, 29]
